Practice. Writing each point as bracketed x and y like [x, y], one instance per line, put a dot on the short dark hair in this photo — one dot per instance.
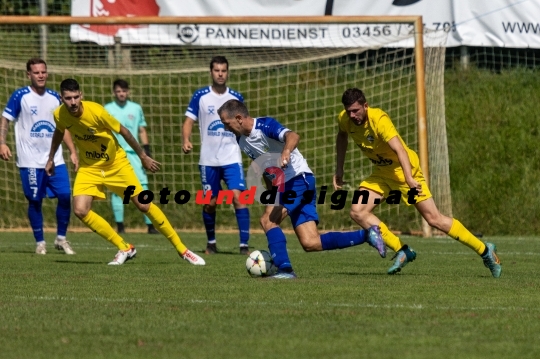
[353, 95]
[218, 60]
[232, 108]
[34, 61]
[123, 84]
[69, 85]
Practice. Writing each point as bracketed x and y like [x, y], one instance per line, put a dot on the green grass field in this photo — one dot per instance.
[343, 305]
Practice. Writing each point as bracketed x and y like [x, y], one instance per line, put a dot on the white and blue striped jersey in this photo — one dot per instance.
[218, 147]
[34, 126]
[268, 136]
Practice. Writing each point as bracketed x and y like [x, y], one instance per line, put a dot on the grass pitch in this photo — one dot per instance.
[343, 305]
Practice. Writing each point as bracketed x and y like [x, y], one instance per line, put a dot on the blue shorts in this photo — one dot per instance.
[37, 185]
[304, 206]
[232, 175]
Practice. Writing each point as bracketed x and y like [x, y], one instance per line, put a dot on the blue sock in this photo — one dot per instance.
[242, 217]
[338, 240]
[63, 210]
[36, 219]
[277, 244]
[209, 220]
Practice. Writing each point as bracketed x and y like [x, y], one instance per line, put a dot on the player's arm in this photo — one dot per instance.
[71, 147]
[55, 143]
[291, 142]
[143, 135]
[396, 146]
[147, 162]
[186, 134]
[342, 139]
[5, 152]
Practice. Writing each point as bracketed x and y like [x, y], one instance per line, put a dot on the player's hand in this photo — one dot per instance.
[285, 159]
[75, 160]
[150, 164]
[5, 152]
[338, 182]
[187, 147]
[412, 183]
[49, 168]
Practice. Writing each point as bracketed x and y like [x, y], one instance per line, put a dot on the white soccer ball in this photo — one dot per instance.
[260, 264]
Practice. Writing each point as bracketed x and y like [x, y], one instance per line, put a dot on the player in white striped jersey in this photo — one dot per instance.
[263, 135]
[220, 156]
[31, 109]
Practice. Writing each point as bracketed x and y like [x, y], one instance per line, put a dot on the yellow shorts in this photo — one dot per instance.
[384, 185]
[116, 177]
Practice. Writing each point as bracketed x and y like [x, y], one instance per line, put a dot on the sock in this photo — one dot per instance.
[118, 208]
[36, 219]
[389, 238]
[277, 244]
[242, 217]
[461, 234]
[162, 224]
[99, 225]
[63, 211]
[209, 220]
[338, 240]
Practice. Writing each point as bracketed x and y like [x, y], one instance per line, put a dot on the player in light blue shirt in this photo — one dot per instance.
[131, 116]
[260, 136]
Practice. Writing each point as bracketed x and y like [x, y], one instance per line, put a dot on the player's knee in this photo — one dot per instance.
[64, 199]
[209, 208]
[435, 220]
[80, 212]
[143, 207]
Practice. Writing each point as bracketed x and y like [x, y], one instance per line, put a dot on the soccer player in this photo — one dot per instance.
[257, 136]
[220, 157]
[131, 116]
[31, 108]
[104, 163]
[396, 171]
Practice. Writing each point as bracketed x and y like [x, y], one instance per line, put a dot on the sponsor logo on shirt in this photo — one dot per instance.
[216, 128]
[89, 138]
[42, 129]
[95, 155]
[33, 110]
[381, 161]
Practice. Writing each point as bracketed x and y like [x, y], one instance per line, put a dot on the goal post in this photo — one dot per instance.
[290, 68]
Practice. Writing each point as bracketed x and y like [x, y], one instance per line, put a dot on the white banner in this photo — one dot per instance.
[500, 23]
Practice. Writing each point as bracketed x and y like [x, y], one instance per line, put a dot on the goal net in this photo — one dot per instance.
[295, 72]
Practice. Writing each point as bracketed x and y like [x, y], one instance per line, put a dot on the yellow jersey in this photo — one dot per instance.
[92, 134]
[372, 137]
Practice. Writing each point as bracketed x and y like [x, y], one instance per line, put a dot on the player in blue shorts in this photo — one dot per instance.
[31, 109]
[131, 116]
[262, 136]
[220, 156]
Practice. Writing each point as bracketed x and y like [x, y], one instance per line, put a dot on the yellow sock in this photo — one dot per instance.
[99, 225]
[461, 234]
[162, 224]
[389, 238]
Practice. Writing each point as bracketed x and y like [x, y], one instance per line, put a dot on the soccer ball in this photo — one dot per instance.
[260, 264]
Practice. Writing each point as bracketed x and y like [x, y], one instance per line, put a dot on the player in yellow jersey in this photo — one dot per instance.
[103, 163]
[396, 171]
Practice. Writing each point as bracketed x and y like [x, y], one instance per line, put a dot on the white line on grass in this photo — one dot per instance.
[297, 304]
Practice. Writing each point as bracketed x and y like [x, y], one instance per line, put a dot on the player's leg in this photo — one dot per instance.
[59, 187]
[140, 172]
[456, 230]
[233, 175]
[304, 218]
[371, 193]
[277, 242]
[210, 179]
[117, 205]
[121, 179]
[34, 189]
[89, 185]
